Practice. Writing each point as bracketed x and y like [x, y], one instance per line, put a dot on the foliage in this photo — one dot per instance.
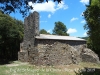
[43, 31]
[95, 2]
[92, 17]
[60, 29]
[11, 34]
[90, 44]
[86, 38]
[9, 6]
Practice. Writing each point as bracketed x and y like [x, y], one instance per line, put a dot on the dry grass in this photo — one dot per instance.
[20, 68]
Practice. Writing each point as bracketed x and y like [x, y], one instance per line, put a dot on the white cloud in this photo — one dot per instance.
[84, 1]
[62, 6]
[49, 30]
[85, 34]
[49, 16]
[43, 21]
[83, 21]
[73, 19]
[48, 7]
[71, 30]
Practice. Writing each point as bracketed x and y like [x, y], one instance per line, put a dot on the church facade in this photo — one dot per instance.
[34, 45]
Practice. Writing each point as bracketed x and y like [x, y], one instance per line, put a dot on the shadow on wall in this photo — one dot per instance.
[88, 71]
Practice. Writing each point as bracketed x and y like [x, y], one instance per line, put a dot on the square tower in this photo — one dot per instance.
[31, 30]
[31, 26]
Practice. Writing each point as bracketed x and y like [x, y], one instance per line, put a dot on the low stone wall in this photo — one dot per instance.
[57, 53]
[23, 56]
[61, 54]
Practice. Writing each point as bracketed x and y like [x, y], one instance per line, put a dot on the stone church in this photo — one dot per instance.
[42, 49]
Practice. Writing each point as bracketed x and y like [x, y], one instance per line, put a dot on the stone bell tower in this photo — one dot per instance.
[31, 27]
[31, 30]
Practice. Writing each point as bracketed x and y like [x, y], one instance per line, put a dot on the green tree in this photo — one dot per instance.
[92, 17]
[60, 29]
[11, 34]
[43, 31]
[8, 6]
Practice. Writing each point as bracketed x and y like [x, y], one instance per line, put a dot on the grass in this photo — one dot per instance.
[20, 68]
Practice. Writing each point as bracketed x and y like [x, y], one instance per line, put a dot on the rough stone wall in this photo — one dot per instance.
[56, 54]
[44, 46]
[61, 54]
[50, 42]
[23, 56]
[31, 29]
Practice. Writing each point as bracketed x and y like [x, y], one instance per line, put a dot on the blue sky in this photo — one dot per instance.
[68, 11]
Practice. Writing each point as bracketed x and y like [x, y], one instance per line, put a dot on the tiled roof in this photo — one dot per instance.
[57, 37]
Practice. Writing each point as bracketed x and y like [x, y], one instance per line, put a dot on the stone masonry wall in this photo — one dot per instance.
[31, 29]
[61, 54]
[51, 41]
[54, 52]
[39, 48]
